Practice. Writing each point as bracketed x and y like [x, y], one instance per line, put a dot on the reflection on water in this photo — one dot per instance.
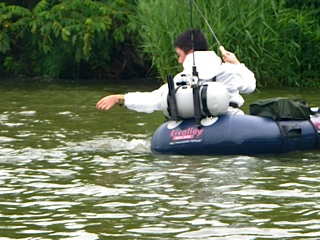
[71, 172]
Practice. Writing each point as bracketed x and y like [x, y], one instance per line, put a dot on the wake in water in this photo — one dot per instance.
[112, 144]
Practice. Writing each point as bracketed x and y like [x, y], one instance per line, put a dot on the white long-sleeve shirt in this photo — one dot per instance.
[237, 78]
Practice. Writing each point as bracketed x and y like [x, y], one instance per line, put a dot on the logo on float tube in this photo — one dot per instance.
[191, 134]
[316, 124]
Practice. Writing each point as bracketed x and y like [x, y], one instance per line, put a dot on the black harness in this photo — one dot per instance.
[172, 109]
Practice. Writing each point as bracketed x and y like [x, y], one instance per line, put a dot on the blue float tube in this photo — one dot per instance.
[236, 135]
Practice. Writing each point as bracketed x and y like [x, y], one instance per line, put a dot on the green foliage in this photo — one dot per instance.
[161, 21]
[279, 40]
[13, 20]
[61, 36]
[67, 33]
[279, 44]
[10, 64]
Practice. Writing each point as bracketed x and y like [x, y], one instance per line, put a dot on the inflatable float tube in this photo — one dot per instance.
[236, 135]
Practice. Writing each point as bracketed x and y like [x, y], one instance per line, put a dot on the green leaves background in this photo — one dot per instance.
[279, 40]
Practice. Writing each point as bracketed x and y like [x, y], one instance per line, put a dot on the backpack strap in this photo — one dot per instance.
[204, 90]
[204, 100]
[171, 99]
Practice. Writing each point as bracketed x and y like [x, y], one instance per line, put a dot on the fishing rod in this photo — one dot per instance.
[195, 79]
[221, 48]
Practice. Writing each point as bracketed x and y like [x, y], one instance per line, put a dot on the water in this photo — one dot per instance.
[69, 171]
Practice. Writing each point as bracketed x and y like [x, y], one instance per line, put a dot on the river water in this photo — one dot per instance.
[69, 171]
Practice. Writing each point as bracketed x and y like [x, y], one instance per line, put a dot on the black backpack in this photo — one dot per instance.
[281, 109]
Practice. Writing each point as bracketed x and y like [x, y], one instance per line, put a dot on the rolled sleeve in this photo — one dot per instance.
[248, 81]
[147, 102]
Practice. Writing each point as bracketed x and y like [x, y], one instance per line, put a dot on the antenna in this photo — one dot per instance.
[195, 79]
[192, 37]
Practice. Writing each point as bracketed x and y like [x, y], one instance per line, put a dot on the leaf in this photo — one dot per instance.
[65, 34]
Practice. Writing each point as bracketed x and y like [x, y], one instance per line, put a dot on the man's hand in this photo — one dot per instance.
[107, 102]
[229, 57]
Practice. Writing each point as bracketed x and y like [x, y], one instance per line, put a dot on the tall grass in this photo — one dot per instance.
[280, 45]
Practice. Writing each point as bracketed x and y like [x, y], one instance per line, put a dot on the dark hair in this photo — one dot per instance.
[184, 42]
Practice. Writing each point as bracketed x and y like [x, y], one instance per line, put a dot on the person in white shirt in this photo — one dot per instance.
[235, 76]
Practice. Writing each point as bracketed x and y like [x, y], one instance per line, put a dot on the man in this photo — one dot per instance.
[235, 76]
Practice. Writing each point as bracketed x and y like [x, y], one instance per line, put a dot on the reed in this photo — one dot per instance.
[281, 45]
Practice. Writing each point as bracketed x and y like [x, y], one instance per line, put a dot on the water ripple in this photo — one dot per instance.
[74, 173]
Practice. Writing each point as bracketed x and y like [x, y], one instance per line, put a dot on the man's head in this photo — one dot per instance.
[183, 43]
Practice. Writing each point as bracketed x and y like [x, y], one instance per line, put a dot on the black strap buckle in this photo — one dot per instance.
[234, 105]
